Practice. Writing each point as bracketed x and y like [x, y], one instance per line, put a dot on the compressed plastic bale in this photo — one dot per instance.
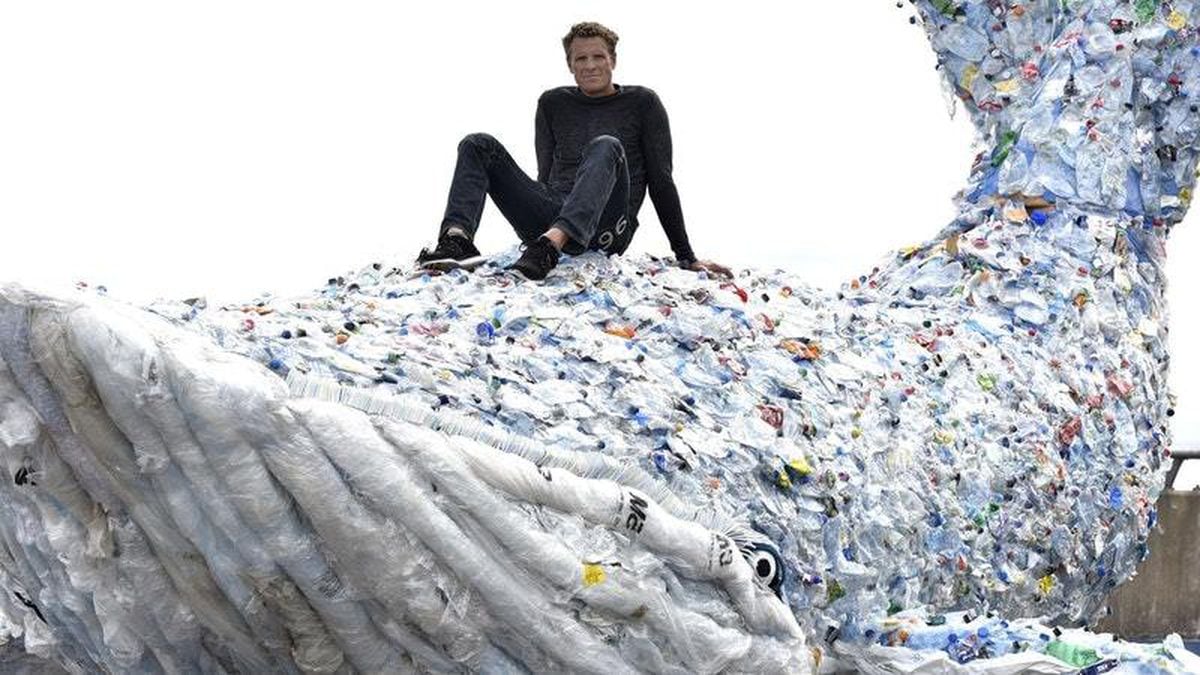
[445, 539]
[369, 547]
[45, 540]
[546, 557]
[688, 546]
[702, 644]
[89, 419]
[15, 350]
[312, 649]
[158, 602]
[263, 503]
[140, 406]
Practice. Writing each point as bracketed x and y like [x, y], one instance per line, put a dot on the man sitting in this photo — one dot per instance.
[599, 147]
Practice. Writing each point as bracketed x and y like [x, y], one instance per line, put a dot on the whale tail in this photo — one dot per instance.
[1091, 103]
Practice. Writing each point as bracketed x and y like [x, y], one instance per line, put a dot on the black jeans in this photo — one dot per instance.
[594, 214]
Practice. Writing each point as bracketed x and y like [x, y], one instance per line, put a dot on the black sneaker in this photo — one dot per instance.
[539, 258]
[449, 247]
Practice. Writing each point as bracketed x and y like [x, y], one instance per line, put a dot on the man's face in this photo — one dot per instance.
[592, 66]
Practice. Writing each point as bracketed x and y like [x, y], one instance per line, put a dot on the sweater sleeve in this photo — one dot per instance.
[656, 149]
[543, 141]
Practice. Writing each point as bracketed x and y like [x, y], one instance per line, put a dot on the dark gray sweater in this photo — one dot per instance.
[567, 119]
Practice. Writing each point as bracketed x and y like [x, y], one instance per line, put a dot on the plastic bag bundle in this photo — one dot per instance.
[629, 465]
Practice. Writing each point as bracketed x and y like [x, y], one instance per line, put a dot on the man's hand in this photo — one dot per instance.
[710, 267]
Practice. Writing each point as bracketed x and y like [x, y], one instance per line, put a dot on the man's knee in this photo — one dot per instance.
[478, 141]
[605, 144]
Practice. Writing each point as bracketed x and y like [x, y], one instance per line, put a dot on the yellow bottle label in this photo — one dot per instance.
[1045, 584]
[801, 466]
[592, 574]
[968, 77]
[1007, 86]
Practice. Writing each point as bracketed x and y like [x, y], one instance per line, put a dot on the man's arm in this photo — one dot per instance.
[543, 142]
[656, 149]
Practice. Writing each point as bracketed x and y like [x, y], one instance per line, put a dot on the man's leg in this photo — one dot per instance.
[485, 168]
[599, 199]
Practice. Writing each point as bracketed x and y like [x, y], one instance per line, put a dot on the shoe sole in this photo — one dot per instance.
[525, 276]
[518, 270]
[448, 264]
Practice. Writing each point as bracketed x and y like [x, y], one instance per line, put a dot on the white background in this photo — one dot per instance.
[231, 148]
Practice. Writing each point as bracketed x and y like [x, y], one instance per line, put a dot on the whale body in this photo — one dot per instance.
[630, 467]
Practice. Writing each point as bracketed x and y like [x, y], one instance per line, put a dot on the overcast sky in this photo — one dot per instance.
[230, 148]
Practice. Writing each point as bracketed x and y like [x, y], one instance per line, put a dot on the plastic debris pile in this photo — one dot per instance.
[629, 463]
[965, 642]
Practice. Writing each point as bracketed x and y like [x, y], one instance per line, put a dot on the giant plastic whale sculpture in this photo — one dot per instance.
[629, 467]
